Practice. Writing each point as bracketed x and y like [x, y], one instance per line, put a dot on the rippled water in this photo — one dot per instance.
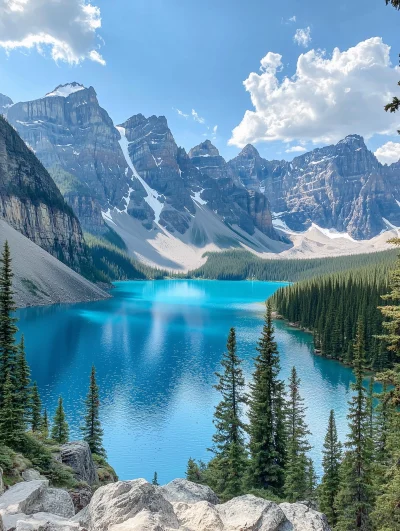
[156, 347]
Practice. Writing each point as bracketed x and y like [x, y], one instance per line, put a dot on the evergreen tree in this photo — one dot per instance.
[36, 409]
[193, 472]
[92, 430]
[23, 380]
[355, 496]
[45, 425]
[229, 444]
[8, 327]
[60, 429]
[297, 476]
[155, 479]
[266, 414]
[12, 426]
[329, 487]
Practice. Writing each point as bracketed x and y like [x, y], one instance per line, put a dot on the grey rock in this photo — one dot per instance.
[30, 474]
[2, 488]
[302, 518]
[200, 516]
[251, 513]
[45, 522]
[182, 490]
[20, 498]
[54, 501]
[77, 455]
[81, 497]
[5, 103]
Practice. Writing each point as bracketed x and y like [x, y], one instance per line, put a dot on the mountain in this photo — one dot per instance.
[32, 204]
[341, 187]
[77, 142]
[5, 103]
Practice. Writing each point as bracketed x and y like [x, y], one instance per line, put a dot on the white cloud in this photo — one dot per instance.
[197, 118]
[214, 132]
[296, 149]
[327, 98]
[302, 37]
[288, 20]
[68, 28]
[181, 113]
[292, 19]
[388, 153]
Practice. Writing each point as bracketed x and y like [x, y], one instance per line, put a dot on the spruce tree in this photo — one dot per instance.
[155, 479]
[266, 414]
[297, 476]
[36, 409]
[329, 487]
[45, 425]
[8, 327]
[355, 497]
[92, 430]
[60, 429]
[193, 472]
[229, 439]
[12, 425]
[23, 380]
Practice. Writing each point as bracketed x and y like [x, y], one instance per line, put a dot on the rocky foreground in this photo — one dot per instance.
[139, 506]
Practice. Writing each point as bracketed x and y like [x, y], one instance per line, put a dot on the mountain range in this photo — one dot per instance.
[170, 206]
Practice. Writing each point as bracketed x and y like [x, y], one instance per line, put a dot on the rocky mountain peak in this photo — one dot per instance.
[249, 151]
[205, 149]
[353, 141]
[5, 103]
[66, 90]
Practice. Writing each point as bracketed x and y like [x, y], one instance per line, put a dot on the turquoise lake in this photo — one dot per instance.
[156, 347]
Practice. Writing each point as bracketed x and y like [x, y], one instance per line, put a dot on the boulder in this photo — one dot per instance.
[30, 474]
[54, 501]
[45, 522]
[144, 521]
[249, 512]
[299, 517]
[77, 455]
[116, 503]
[200, 516]
[182, 490]
[21, 497]
[2, 489]
[81, 497]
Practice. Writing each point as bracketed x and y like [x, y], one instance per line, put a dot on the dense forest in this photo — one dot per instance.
[331, 306]
[243, 265]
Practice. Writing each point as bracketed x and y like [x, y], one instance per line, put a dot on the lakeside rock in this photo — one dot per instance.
[140, 506]
[77, 455]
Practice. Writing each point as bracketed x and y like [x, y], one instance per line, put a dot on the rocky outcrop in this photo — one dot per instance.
[139, 506]
[341, 187]
[77, 455]
[32, 204]
[5, 103]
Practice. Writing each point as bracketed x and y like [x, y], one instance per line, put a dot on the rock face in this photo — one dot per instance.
[182, 490]
[341, 187]
[5, 103]
[32, 204]
[77, 142]
[77, 455]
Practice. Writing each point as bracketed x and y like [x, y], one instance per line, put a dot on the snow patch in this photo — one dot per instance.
[152, 198]
[107, 216]
[65, 90]
[390, 225]
[196, 197]
[331, 233]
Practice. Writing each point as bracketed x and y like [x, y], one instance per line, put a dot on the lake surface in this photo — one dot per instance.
[156, 347]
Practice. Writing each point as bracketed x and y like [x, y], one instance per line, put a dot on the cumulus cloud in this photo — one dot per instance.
[388, 153]
[197, 118]
[326, 99]
[296, 149]
[68, 28]
[302, 37]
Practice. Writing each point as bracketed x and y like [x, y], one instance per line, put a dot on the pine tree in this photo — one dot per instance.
[8, 327]
[193, 472]
[229, 441]
[297, 467]
[155, 479]
[329, 487]
[92, 430]
[45, 425]
[60, 430]
[355, 496]
[266, 414]
[12, 426]
[23, 380]
[36, 409]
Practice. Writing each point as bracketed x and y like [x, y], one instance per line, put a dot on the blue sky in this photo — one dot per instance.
[183, 54]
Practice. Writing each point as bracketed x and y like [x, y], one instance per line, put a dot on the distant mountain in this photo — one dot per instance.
[341, 187]
[5, 103]
[32, 204]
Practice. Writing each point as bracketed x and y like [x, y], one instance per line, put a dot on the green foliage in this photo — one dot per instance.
[23, 380]
[299, 473]
[193, 472]
[155, 479]
[12, 426]
[329, 487]
[36, 407]
[92, 430]
[355, 497]
[266, 414]
[243, 265]
[44, 429]
[230, 458]
[60, 429]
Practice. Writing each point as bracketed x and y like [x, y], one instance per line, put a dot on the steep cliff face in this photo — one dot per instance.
[32, 204]
[77, 142]
[5, 103]
[342, 187]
